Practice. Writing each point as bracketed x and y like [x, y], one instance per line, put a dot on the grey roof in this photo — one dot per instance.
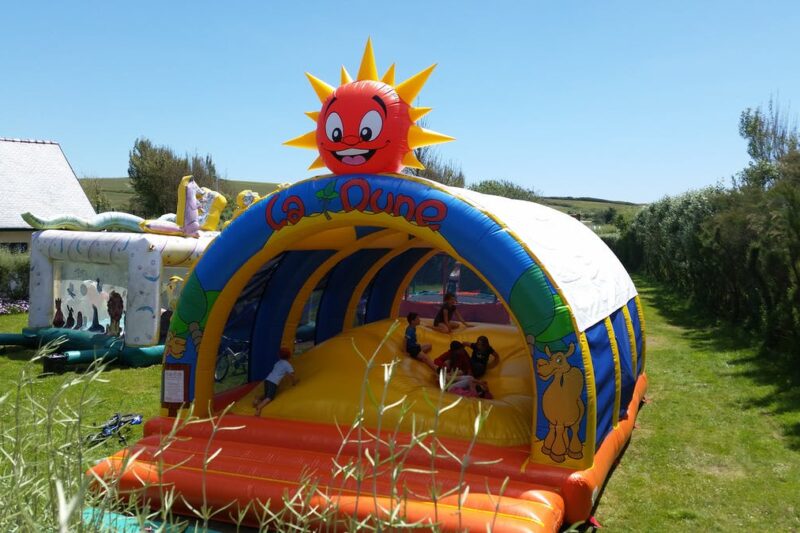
[35, 176]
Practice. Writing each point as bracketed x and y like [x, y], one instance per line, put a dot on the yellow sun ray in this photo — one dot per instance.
[410, 160]
[313, 115]
[388, 78]
[318, 163]
[368, 70]
[416, 113]
[345, 76]
[418, 137]
[322, 89]
[306, 140]
[409, 89]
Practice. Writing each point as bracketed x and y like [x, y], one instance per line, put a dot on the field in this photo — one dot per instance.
[591, 208]
[717, 445]
[594, 212]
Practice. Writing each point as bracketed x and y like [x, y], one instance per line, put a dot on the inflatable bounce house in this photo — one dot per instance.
[564, 395]
[104, 286]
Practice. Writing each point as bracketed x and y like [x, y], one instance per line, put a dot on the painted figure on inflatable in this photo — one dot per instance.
[345, 247]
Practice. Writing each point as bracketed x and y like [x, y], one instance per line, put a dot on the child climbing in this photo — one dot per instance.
[413, 347]
[281, 369]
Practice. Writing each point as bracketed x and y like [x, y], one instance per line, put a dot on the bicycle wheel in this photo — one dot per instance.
[221, 370]
[95, 439]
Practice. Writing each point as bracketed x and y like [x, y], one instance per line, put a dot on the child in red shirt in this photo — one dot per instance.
[455, 359]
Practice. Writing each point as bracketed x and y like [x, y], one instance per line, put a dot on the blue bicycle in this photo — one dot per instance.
[118, 425]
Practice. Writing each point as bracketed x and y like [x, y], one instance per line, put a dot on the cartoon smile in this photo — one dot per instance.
[353, 156]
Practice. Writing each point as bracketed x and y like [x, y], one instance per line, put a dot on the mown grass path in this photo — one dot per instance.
[718, 445]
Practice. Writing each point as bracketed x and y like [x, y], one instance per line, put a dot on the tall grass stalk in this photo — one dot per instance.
[43, 485]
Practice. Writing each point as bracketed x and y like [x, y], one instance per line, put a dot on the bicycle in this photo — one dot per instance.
[118, 425]
[228, 359]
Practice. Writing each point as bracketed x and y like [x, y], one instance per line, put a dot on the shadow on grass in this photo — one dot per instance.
[17, 353]
[763, 365]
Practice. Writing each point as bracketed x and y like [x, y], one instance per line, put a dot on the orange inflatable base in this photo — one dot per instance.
[265, 462]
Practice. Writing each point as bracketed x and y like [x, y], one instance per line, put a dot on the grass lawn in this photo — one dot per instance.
[126, 390]
[717, 448]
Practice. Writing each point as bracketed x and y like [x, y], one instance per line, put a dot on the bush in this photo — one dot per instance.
[505, 188]
[733, 252]
[14, 275]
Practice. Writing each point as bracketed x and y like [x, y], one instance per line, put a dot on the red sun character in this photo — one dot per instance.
[368, 125]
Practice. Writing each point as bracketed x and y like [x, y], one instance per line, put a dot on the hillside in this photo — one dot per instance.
[591, 208]
[593, 211]
[119, 193]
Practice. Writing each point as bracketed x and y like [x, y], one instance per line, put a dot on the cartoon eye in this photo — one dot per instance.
[371, 126]
[333, 127]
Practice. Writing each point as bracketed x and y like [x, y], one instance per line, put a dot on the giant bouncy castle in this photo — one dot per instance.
[345, 246]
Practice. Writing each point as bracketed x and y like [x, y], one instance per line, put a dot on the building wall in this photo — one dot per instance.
[15, 236]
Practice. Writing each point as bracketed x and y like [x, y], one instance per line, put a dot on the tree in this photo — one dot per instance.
[96, 196]
[609, 215]
[436, 169]
[155, 172]
[769, 134]
[734, 251]
[770, 138]
[506, 188]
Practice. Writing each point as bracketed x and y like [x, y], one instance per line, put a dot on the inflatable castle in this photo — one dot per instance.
[105, 287]
[565, 393]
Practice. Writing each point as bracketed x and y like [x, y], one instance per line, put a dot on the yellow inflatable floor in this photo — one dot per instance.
[331, 376]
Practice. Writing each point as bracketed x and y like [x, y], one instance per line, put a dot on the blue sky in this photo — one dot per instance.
[620, 100]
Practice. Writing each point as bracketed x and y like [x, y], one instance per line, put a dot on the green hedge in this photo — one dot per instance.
[14, 275]
[733, 252]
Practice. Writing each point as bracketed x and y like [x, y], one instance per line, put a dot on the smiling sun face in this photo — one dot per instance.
[363, 127]
[367, 125]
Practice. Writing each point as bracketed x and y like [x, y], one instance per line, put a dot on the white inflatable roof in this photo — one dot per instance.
[588, 274]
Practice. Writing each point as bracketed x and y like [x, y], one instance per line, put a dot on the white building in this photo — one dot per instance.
[35, 176]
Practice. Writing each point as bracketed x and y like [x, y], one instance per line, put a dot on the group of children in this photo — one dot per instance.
[462, 373]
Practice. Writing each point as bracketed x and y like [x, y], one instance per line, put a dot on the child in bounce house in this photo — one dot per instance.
[481, 352]
[413, 347]
[455, 365]
[281, 369]
[445, 318]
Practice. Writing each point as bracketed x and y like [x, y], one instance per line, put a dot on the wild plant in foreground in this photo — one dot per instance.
[43, 486]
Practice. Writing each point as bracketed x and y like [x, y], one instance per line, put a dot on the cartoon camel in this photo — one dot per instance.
[562, 404]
